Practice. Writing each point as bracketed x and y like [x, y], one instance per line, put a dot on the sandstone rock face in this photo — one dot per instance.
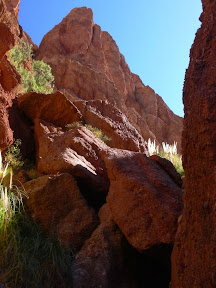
[9, 78]
[57, 204]
[144, 201]
[13, 6]
[56, 108]
[193, 258]
[167, 166]
[76, 151]
[7, 39]
[87, 64]
[113, 123]
[8, 16]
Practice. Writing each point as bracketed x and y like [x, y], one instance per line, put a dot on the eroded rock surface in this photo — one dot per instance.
[9, 78]
[113, 123]
[144, 201]
[87, 64]
[10, 34]
[193, 258]
[76, 151]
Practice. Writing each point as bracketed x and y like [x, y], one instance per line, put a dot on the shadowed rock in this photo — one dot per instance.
[144, 201]
[57, 204]
[193, 258]
[103, 260]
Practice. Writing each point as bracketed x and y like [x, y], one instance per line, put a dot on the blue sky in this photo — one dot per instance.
[154, 36]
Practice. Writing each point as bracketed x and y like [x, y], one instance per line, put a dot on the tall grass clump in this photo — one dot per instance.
[169, 152]
[29, 258]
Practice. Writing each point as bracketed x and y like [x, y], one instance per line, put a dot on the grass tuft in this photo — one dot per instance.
[98, 133]
[29, 258]
[73, 125]
[169, 152]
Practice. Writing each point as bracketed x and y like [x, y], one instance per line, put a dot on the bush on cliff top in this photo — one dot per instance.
[35, 75]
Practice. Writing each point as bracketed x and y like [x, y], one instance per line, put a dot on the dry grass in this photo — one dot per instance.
[169, 152]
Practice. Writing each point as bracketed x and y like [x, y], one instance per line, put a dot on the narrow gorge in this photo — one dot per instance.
[118, 215]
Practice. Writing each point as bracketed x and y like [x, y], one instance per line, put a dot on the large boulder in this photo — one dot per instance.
[56, 203]
[167, 166]
[87, 64]
[76, 151]
[193, 258]
[144, 200]
[54, 108]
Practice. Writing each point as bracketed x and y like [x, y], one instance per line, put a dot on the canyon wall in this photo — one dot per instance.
[193, 258]
[87, 65]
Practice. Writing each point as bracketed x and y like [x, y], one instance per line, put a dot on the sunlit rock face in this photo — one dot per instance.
[87, 64]
[193, 259]
[13, 6]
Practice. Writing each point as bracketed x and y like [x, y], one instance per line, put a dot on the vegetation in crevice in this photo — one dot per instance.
[35, 75]
[96, 131]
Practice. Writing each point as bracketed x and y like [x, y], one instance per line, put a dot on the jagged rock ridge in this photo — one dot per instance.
[87, 64]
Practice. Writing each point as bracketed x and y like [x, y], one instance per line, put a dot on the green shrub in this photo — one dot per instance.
[39, 78]
[43, 77]
[13, 156]
[20, 54]
[73, 125]
[98, 133]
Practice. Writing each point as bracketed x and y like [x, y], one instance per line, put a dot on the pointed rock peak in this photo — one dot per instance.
[88, 65]
[73, 35]
[81, 13]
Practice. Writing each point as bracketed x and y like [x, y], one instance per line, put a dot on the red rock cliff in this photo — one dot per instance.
[87, 64]
[193, 259]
